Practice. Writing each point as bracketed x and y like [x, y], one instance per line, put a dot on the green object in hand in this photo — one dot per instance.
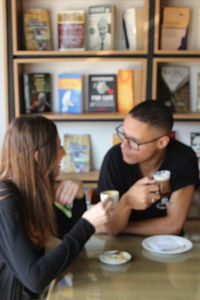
[66, 210]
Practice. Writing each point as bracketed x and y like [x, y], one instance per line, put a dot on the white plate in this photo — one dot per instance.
[115, 257]
[166, 244]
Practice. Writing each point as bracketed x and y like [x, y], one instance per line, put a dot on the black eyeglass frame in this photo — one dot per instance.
[121, 134]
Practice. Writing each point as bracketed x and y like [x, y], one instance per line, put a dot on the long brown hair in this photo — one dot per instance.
[33, 178]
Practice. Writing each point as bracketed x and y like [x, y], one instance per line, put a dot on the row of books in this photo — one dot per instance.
[78, 150]
[105, 92]
[76, 28]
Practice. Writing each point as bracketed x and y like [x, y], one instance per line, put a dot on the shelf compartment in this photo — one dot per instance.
[19, 6]
[193, 31]
[85, 66]
[193, 63]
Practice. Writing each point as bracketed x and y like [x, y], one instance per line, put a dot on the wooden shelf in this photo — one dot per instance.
[89, 179]
[90, 116]
[58, 53]
[178, 52]
[187, 116]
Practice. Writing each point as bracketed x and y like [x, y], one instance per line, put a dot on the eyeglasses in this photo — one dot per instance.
[132, 142]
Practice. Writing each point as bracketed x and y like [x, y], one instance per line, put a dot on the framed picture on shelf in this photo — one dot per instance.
[195, 89]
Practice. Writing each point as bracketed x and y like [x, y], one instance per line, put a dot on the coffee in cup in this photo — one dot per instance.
[163, 179]
[113, 194]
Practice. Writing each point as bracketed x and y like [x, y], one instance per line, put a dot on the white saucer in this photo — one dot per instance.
[166, 244]
[115, 257]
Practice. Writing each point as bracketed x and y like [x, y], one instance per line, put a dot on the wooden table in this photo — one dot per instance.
[147, 276]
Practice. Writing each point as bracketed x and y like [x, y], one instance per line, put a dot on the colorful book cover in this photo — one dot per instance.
[37, 92]
[78, 153]
[70, 93]
[102, 96]
[37, 31]
[125, 90]
[71, 30]
[101, 23]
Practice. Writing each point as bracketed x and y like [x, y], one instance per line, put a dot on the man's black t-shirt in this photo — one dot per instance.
[116, 174]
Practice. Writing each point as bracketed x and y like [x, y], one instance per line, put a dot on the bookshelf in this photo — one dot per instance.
[149, 59]
[189, 57]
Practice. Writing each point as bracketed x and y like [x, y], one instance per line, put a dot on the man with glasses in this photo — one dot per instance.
[145, 148]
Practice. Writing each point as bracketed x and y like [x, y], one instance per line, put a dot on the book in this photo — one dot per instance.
[115, 139]
[78, 153]
[174, 30]
[176, 17]
[138, 84]
[182, 99]
[37, 92]
[71, 30]
[37, 31]
[195, 144]
[101, 27]
[198, 92]
[70, 93]
[173, 38]
[133, 26]
[194, 88]
[125, 90]
[176, 80]
[102, 93]
[172, 134]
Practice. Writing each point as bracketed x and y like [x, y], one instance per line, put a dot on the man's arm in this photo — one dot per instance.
[170, 224]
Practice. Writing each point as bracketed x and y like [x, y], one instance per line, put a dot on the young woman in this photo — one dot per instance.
[31, 156]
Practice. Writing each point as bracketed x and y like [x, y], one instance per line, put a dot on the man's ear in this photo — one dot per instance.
[163, 142]
[36, 155]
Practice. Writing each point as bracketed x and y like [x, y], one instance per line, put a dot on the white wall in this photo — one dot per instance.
[3, 75]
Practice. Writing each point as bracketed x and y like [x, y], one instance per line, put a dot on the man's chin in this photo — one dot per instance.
[129, 160]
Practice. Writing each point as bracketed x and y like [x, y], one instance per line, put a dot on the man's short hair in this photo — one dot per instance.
[154, 113]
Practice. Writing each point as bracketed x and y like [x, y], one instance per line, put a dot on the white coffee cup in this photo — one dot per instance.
[113, 194]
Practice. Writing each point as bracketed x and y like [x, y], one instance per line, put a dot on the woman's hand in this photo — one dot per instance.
[99, 214]
[68, 190]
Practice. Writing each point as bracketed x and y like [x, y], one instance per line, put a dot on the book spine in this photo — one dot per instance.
[129, 17]
[27, 101]
[125, 90]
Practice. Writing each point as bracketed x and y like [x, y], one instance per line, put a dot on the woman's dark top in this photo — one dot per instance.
[24, 268]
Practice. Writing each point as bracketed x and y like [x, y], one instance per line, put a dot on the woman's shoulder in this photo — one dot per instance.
[9, 195]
